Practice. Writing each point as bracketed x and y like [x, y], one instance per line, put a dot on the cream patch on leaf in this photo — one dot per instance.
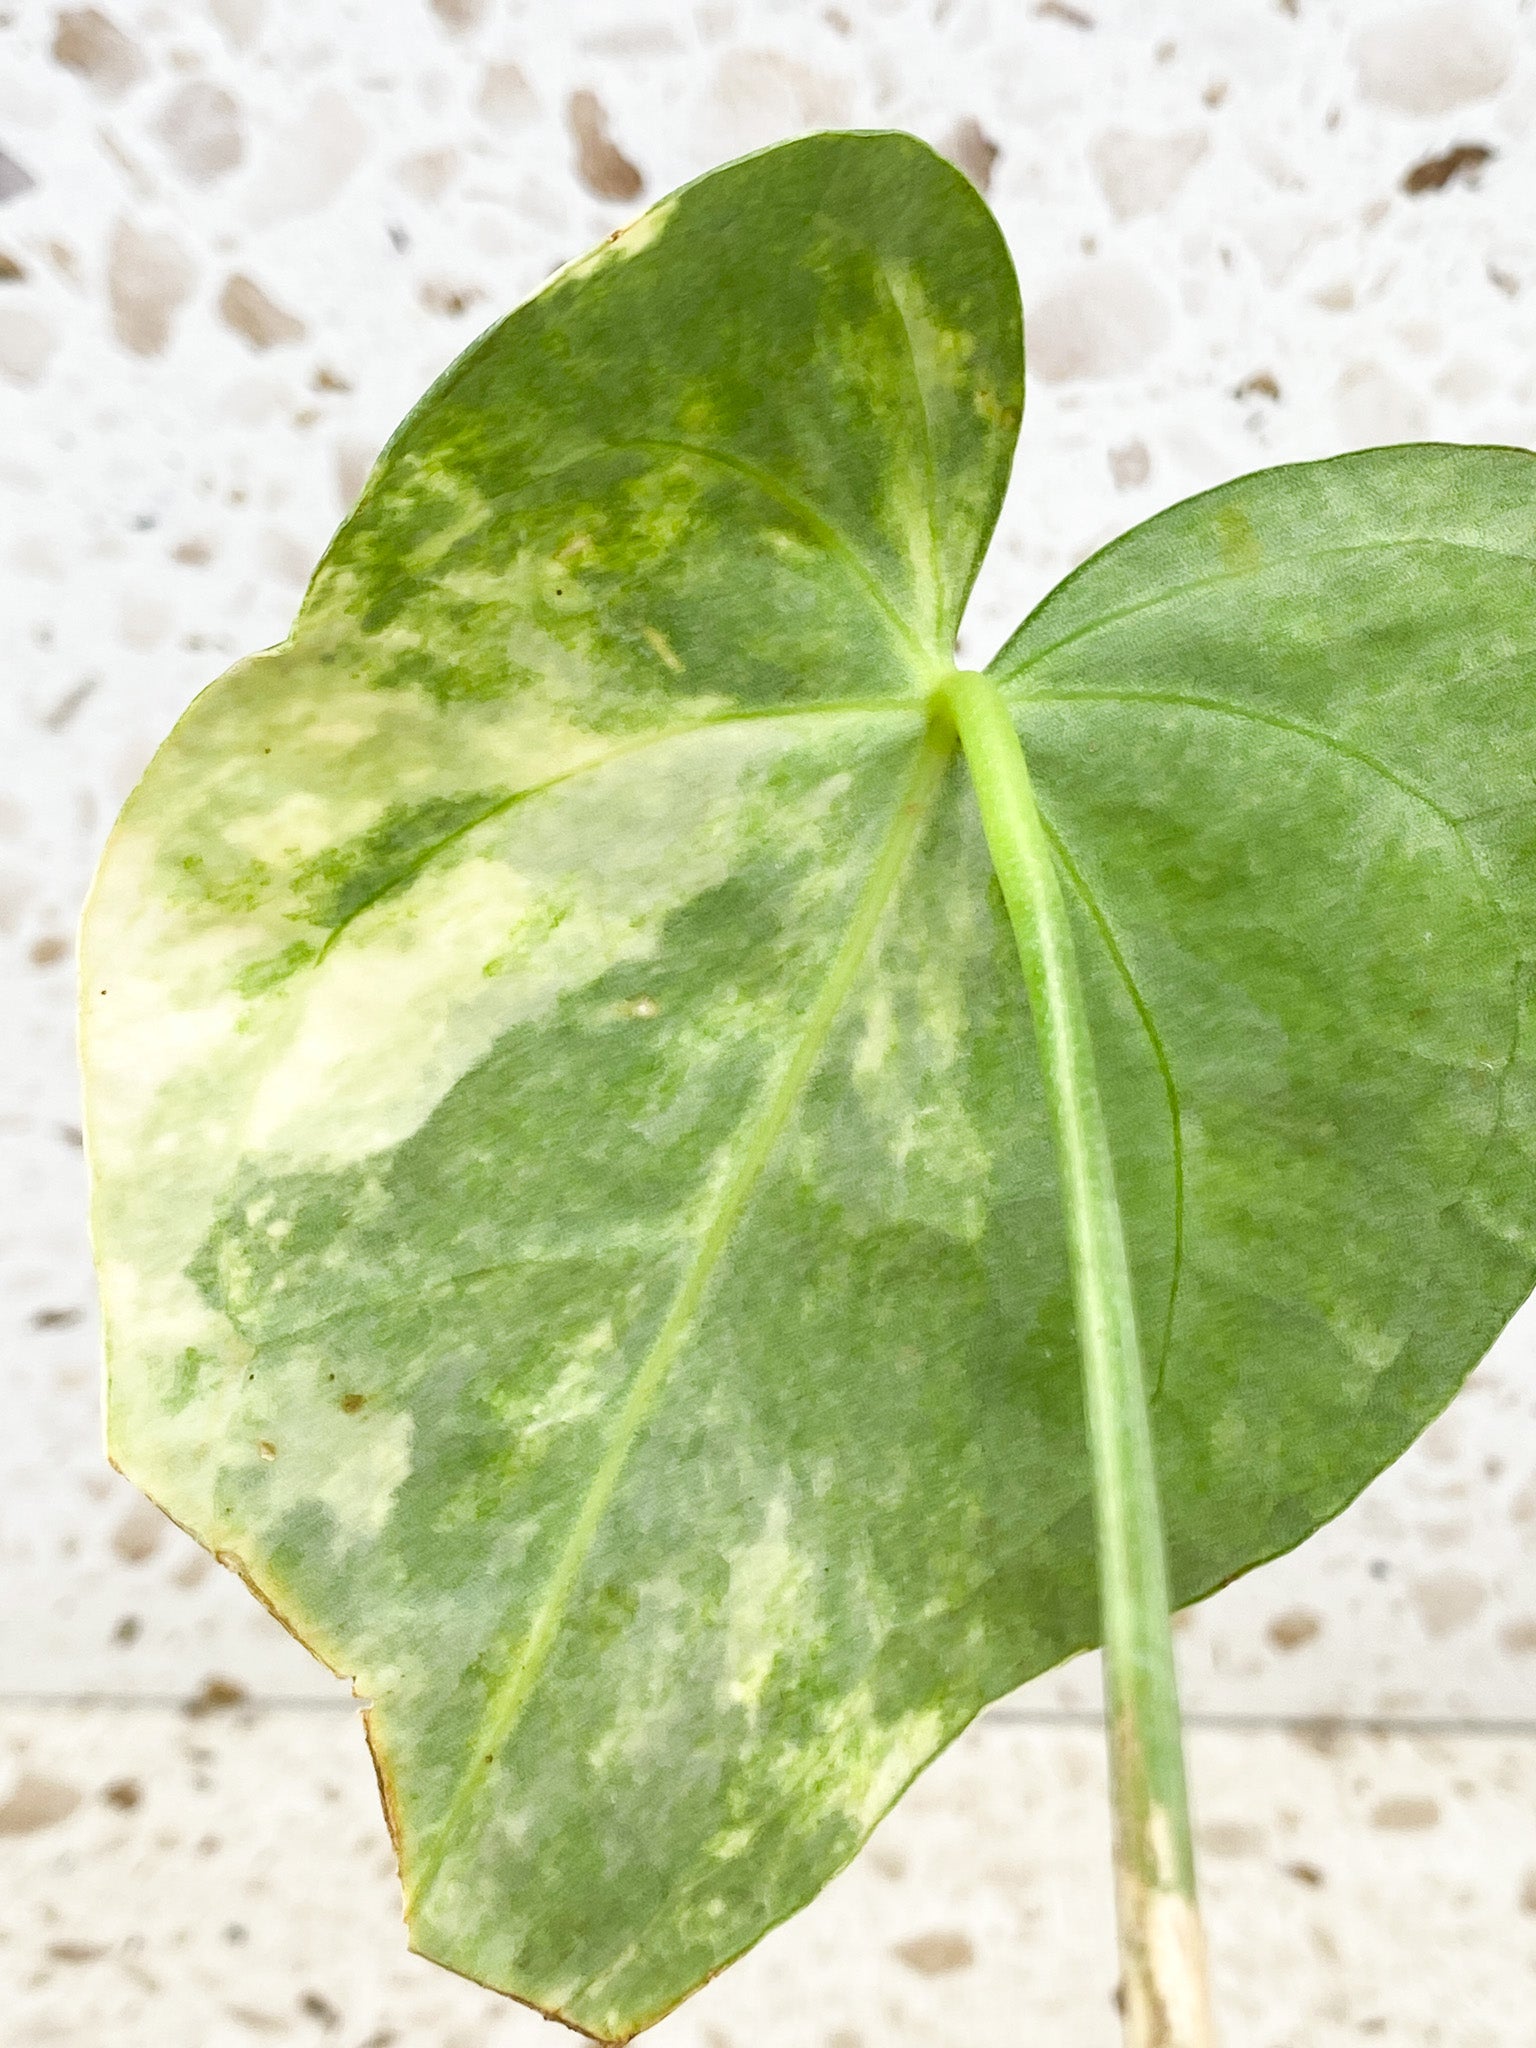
[770, 1606]
[386, 1023]
[361, 1484]
[859, 1762]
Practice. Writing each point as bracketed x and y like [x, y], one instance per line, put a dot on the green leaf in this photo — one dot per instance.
[1286, 741]
[573, 1191]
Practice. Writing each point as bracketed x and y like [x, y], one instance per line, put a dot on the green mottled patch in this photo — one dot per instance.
[342, 881]
[572, 1188]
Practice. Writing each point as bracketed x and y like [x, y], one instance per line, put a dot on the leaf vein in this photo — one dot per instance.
[1237, 575]
[430, 851]
[1280, 723]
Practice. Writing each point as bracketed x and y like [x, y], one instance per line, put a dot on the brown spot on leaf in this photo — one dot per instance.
[149, 277]
[123, 1793]
[217, 1696]
[938, 1953]
[600, 164]
[1405, 1815]
[353, 1404]
[1290, 1630]
[36, 1802]
[971, 149]
[85, 41]
[1434, 173]
[245, 307]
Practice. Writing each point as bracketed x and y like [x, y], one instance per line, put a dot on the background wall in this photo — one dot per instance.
[236, 240]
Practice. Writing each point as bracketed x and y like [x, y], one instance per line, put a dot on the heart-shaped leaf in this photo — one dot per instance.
[574, 1196]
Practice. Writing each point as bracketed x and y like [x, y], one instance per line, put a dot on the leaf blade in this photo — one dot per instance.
[1319, 612]
[541, 750]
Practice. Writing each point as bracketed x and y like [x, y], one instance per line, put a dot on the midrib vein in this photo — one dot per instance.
[506, 1704]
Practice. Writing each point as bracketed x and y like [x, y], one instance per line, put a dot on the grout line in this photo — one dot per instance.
[999, 1716]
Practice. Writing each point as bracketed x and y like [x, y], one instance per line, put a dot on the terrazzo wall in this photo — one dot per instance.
[238, 238]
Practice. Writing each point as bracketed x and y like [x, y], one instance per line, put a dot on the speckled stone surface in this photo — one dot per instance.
[223, 1880]
[236, 240]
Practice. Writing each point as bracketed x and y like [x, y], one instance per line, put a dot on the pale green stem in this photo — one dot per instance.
[1165, 1998]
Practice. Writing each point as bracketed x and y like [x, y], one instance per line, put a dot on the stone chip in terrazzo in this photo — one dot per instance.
[1105, 321]
[971, 149]
[505, 98]
[1141, 173]
[88, 42]
[601, 165]
[150, 275]
[255, 317]
[200, 129]
[14, 178]
[1427, 60]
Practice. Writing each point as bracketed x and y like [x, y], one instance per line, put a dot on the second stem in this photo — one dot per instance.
[1166, 2000]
